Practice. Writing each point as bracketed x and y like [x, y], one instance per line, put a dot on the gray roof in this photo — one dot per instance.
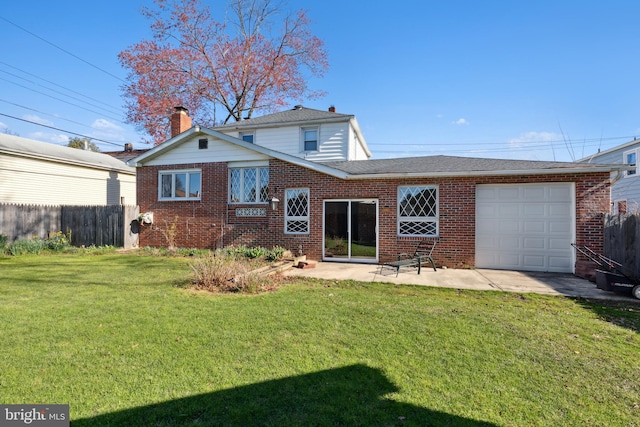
[295, 115]
[24, 147]
[442, 165]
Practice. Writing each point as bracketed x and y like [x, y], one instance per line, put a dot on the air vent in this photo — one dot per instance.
[203, 144]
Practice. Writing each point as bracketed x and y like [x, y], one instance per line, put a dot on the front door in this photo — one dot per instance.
[351, 230]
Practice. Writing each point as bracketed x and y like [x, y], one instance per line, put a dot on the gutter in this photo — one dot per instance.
[396, 175]
[125, 167]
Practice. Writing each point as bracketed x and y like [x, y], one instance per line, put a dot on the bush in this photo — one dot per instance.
[255, 252]
[276, 253]
[32, 246]
[222, 272]
[58, 241]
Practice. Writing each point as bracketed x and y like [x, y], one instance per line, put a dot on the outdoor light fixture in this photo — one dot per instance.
[273, 203]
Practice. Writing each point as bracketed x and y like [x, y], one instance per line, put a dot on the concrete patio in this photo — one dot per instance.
[476, 279]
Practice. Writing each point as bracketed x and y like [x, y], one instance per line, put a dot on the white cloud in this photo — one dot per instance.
[37, 119]
[49, 137]
[460, 122]
[540, 146]
[105, 126]
[439, 116]
[529, 139]
[3, 126]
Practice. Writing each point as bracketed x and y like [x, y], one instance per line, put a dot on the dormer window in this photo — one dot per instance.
[310, 139]
[247, 136]
[630, 158]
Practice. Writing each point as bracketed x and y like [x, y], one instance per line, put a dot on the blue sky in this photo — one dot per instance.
[543, 80]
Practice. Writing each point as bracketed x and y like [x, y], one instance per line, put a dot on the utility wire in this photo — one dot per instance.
[59, 92]
[63, 50]
[62, 100]
[61, 130]
[113, 108]
[42, 112]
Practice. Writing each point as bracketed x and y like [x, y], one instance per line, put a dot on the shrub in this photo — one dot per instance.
[222, 272]
[276, 253]
[59, 241]
[27, 246]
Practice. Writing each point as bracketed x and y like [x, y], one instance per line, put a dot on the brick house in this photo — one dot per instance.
[303, 179]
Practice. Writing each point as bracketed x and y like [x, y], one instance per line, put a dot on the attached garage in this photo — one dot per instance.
[528, 227]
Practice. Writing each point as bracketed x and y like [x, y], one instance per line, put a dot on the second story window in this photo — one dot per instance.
[309, 139]
[630, 158]
[247, 136]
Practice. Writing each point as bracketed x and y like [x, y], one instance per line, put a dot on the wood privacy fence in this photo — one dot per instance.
[113, 225]
[622, 241]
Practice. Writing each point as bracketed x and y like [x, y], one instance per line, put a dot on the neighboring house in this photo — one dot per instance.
[34, 172]
[318, 194]
[625, 191]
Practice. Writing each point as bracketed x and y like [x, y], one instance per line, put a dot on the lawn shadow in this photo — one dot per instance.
[621, 313]
[349, 396]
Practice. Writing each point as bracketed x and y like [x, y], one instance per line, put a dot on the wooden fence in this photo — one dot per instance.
[622, 241]
[89, 225]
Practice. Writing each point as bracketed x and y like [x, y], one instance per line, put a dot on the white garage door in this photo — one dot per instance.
[526, 227]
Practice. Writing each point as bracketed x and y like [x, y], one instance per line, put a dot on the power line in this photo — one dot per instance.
[113, 108]
[63, 50]
[58, 92]
[42, 112]
[62, 100]
[61, 130]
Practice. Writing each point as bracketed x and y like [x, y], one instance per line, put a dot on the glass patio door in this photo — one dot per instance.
[351, 230]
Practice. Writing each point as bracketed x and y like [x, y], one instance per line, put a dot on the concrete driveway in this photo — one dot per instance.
[477, 279]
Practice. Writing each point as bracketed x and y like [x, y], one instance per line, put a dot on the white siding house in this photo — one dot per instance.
[34, 172]
[314, 135]
[625, 192]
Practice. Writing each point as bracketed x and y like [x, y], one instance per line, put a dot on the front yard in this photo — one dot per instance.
[123, 341]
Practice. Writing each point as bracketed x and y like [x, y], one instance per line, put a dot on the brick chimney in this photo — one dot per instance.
[180, 121]
[332, 109]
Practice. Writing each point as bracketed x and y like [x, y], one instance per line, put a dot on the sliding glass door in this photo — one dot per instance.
[351, 230]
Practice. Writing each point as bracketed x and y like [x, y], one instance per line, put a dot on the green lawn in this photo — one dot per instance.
[120, 339]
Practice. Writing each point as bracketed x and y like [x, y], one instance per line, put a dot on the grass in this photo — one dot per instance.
[121, 340]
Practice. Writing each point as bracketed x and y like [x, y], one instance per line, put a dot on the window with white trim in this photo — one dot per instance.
[248, 185]
[247, 136]
[630, 158]
[296, 215]
[179, 185]
[418, 211]
[309, 139]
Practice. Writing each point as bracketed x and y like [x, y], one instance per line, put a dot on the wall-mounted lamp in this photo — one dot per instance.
[273, 203]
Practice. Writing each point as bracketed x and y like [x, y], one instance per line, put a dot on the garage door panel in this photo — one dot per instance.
[560, 193]
[534, 192]
[533, 262]
[534, 226]
[534, 243]
[507, 226]
[525, 227]
[558, 244]
[560, 209]
[509, 260]
[507, 243]
[534, 209]
[508, 210]
[506, 194]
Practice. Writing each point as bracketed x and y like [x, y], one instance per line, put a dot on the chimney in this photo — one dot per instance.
[180, 121]
[128, 147]
[332, 109]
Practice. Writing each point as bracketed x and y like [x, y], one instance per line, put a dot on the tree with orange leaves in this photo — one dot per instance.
[254, 60]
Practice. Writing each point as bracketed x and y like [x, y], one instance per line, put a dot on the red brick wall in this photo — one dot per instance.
[211, 223]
